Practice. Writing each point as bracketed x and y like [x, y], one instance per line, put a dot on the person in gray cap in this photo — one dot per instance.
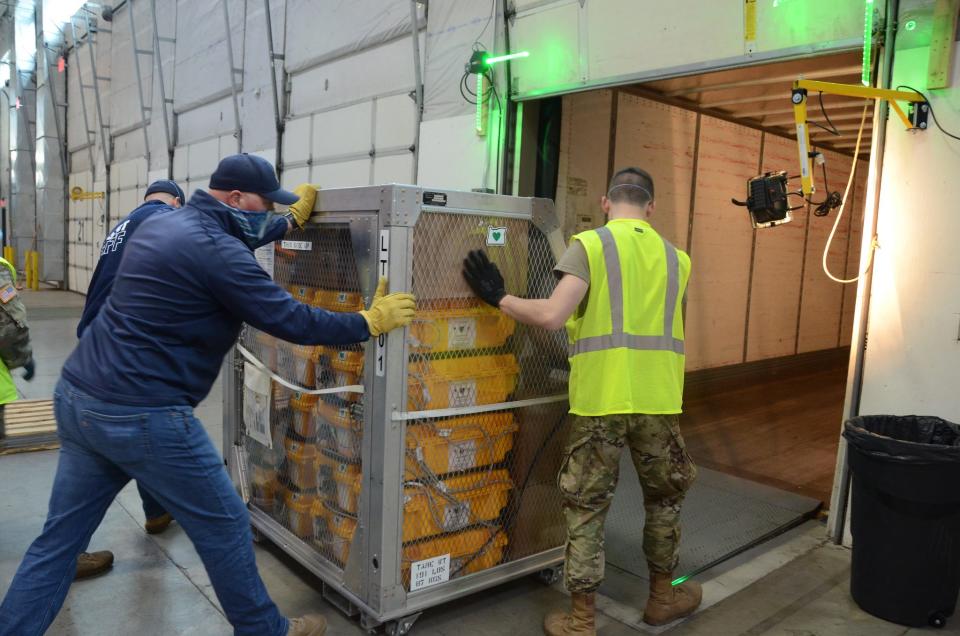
[161, 196]
[125, 400]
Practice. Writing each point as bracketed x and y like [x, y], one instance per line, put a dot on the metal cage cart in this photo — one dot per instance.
[418, 467]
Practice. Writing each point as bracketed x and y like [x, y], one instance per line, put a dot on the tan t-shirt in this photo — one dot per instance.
[574, 261]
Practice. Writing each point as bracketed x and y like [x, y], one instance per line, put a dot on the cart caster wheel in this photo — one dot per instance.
[402, 626]
[549, 576]
[258, 537]
[937, 620]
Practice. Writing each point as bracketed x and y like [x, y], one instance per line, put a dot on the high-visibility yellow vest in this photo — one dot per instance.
[8, 390]
[626, 341]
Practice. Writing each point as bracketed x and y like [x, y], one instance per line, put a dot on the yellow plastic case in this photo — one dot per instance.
[304, 294]
[457, 325]
[303, 401]
[304, 421]
[346, 495]
[298, 363]
[268, 349]
[346, 433]
[333, 531]
[456, 382]
[298, 510]
[339, 300]
[470, 551]
[459, 444]
[454, 504]
[264, 487]
[302, 464]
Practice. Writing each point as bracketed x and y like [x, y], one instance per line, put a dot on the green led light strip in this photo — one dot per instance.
[490, 61]
[479, 115]
[867, 41]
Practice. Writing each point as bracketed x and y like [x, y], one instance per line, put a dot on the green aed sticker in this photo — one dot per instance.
[496, 236]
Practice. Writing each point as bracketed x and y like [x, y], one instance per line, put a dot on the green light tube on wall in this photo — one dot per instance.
[867, 41]
[490, 61]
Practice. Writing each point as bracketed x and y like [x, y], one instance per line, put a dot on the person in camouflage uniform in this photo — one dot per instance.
[15, 349]
[588, 478]
[620, 295]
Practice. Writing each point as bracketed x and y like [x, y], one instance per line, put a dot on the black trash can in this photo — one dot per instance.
[905, 517]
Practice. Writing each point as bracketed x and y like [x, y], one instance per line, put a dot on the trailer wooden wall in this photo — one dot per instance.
[753, 294]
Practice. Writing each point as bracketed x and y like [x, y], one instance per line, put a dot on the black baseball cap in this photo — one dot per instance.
[250, 173]
[167, 186]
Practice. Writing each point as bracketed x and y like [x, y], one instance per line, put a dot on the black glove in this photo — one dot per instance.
[29, 369]
[484, 278]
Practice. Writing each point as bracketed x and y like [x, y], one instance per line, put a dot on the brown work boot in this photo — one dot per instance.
[579, 622]
[309, 625]
[93, 563]
[669, 602]
[158, 524]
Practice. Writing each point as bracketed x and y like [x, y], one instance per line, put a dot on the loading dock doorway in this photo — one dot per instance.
[767, 332]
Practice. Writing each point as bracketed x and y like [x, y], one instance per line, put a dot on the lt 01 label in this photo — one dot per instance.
[383, 267]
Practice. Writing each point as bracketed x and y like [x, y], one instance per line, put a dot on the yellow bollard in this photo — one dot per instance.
[28, 268]
[36, 271]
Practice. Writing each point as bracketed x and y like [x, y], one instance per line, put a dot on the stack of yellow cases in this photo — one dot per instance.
[339, 433]
[455, 487]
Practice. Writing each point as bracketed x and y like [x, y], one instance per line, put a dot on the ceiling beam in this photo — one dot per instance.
[788, 119]
[782, 111]
[785, 95]
[775, 79]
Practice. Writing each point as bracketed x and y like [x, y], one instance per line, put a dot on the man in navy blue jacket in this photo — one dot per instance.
[124, 404]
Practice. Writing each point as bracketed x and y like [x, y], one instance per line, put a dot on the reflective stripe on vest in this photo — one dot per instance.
[618, 338]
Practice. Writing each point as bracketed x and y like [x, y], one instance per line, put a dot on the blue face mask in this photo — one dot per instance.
[253, 225]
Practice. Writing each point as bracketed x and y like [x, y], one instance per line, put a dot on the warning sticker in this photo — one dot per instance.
[456, 516]
[462, 393]
[429, 572]
[461, 333]
[462, 455]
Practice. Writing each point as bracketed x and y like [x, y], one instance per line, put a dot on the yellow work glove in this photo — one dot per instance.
[302, 210]
[388, 311]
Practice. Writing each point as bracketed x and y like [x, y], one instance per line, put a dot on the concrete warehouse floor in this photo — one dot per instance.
[794, 585]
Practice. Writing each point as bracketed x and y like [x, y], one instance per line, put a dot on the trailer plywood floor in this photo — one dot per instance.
[778, 425]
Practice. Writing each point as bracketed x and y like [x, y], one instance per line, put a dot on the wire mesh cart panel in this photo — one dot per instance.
[420, 466]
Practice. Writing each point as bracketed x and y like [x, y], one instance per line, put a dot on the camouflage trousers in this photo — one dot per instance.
[588, 476]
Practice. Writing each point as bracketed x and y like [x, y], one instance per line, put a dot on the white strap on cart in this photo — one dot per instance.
[401, 416]
[252, 359]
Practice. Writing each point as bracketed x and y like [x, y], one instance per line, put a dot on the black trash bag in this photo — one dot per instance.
[911, 438]
[905, 517]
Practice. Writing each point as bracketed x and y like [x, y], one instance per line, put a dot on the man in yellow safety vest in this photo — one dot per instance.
[620, 294]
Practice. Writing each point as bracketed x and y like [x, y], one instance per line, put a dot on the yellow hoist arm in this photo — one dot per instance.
[800, 89]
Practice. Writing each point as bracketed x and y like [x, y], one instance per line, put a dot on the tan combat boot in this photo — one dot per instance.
[93, 563]
[579, 622]
[309, 625]
[669, 602]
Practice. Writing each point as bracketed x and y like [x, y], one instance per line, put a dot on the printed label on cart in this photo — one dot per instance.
[462, 455]
[429, 572]
[300, 246]
[461, 333]
[462, 393]
[496, 236]
[256, 405]
[456, 516]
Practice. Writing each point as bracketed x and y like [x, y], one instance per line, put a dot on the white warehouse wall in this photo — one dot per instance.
[913, 344]
[344, 82]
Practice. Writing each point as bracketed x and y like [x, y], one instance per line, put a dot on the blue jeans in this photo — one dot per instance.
[102, 447]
